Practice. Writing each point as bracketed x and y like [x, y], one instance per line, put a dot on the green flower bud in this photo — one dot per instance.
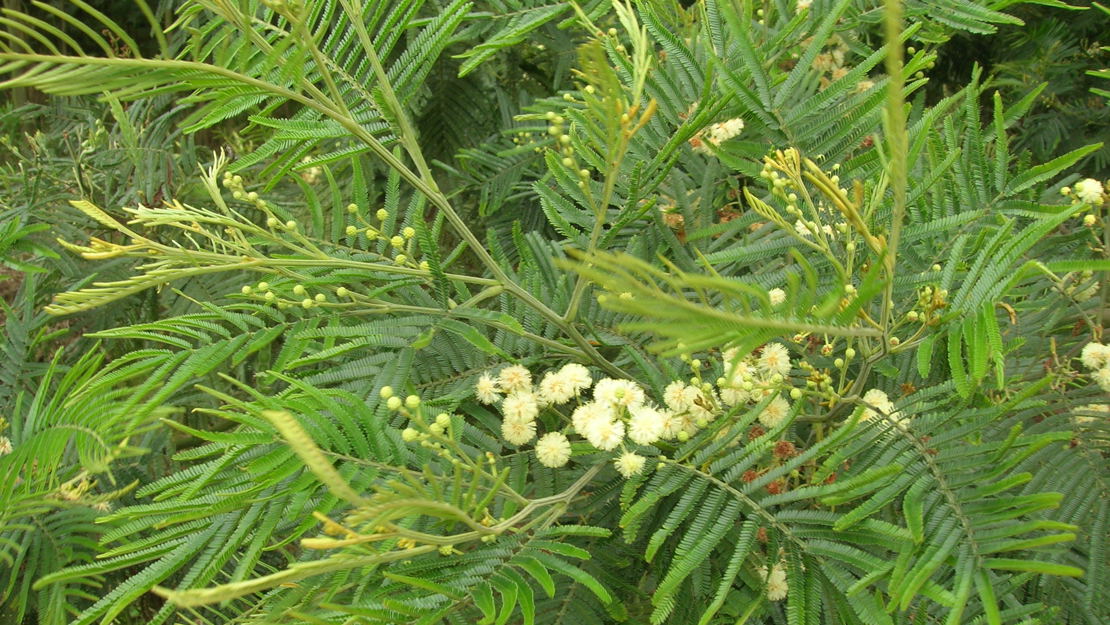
[342, 292]
[412, 401]
[386, 392]
[393, 403]
[298, 290]
[382, 214]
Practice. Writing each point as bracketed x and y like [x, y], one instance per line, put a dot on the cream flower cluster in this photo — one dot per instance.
[879, 406]
[1096, 357]
[776, 581]
[756, 377]
[617, 414]
[1090, 191]
[716, 134]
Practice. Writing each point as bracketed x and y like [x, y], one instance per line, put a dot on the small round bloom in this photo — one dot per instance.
[555, 388]
[776, 582]
[774, 359]
[774, 412]
[1095, 355]
[518, 431]
[672, 425]
[735, 396]
[588, 413]
[486, 390]
[1102, 377]
[675, 396]
[409, 435]
[605, 434]
[646, 425]
[877, 398]
[618, 393]
[577, 376]
[515, 378]
[1089, 190]
[520, 405]
[553, 450]
[777, 296]
[629, 464]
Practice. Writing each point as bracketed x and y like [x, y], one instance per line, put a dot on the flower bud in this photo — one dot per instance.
[412, 401]
[386, 392]
[320, 297]
[306, 303]
[246, 290]
[342, 292]
[409, 435]
[443, 419]
[298, 290]
[393, 403]
[352, 208]
[382, 214]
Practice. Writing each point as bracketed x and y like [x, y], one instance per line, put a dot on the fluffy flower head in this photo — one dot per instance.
[675, 397]
[1090, 191]
[5, 445]
[577, 376]
[629, 464]
[774, 359]
[518, 431]
[605, 434]
[553, 450]
[777, 296]
[515, 378]
[589, 412]
[646, 425]
[486, 389]
[556, 388]
[520, 405]
[1102, 377]
[877, 398]
[774, 412]
[776, 582]
[618, 393]
[1095, 355]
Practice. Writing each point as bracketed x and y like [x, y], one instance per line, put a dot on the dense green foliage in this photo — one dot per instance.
[267, 259]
